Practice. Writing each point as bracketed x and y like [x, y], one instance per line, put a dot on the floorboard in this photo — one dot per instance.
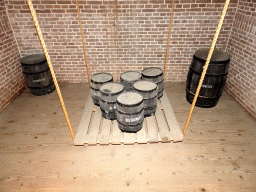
[218, 152]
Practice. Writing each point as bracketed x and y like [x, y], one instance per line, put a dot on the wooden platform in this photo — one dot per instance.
[94, 129]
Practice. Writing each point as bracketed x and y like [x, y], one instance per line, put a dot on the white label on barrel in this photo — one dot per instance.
[207, 86]
[133, 119]
[39, 80]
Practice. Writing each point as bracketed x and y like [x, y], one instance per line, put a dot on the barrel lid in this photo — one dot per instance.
[217, 55]
[111, 88]
[129, 98]
[152, 72]
[145, 85]
[131, 75]
[101, 77]
[33, 59]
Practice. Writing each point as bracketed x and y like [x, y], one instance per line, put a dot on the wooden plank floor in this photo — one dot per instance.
[218, 152]
[94, 129]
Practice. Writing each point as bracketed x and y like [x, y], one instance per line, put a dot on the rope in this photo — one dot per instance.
[116, 33]
[33, 13]
[206, 64]
[82, 35]
[168, 41]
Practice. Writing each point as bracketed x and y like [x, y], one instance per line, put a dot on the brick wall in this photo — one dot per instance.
[120, 35]
[132, 35]
[242, 46]
[11, 79]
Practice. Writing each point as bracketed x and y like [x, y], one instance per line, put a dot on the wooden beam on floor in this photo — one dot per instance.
[84, 123]
[171, 119]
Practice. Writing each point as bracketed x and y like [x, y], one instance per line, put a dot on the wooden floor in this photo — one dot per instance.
[93, 129]
[218, 152]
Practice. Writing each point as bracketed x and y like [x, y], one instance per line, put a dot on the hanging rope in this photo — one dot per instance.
[33, 13]
[168, 41]
[82, 35]
[116, 33]
[206, 64]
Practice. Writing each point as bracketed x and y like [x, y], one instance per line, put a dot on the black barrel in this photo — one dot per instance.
[97, 80]
[37, 74]
[214, 81]
[128, 78]
[130, 112]
[154, 74]
[108, 94]
[149, 91]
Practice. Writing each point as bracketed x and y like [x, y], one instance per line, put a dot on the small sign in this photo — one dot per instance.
[207, 86]
[133, 119]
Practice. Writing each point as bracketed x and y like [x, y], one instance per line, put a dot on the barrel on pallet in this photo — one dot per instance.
[154, 74]
[149, 91]
[130, 112]
[37, 74]
[108, 95]
[214, 81]
[128, 78]
[97, 80]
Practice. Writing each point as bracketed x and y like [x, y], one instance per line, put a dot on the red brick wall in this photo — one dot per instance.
[132, 35]
[11, 78]
[132, 39]
[242, 46]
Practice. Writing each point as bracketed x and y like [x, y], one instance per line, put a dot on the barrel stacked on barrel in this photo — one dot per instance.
[131, 100]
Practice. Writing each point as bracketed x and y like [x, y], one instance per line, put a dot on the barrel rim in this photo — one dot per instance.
[132, 105]
[200, 96]
[208, 74]
[150, 76]
[129, 72]
[146, 91]
[97, 82]
[41, 60]
[36, 64]
[206, 50]
[130, 125]
[151, 107]
[111, 94]
[114, 111]
[26, 73]
[211, 62]
[151, 97]
[113, 102]
[198, 104]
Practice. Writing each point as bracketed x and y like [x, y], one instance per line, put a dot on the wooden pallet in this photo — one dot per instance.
[94, 129]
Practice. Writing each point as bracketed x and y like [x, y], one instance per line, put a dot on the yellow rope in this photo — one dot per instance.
[168, 41]
[82, 35]
[116, 33]
[206, 64]
[33, 13]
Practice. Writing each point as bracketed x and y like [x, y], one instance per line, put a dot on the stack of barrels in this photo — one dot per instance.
[131, 100]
